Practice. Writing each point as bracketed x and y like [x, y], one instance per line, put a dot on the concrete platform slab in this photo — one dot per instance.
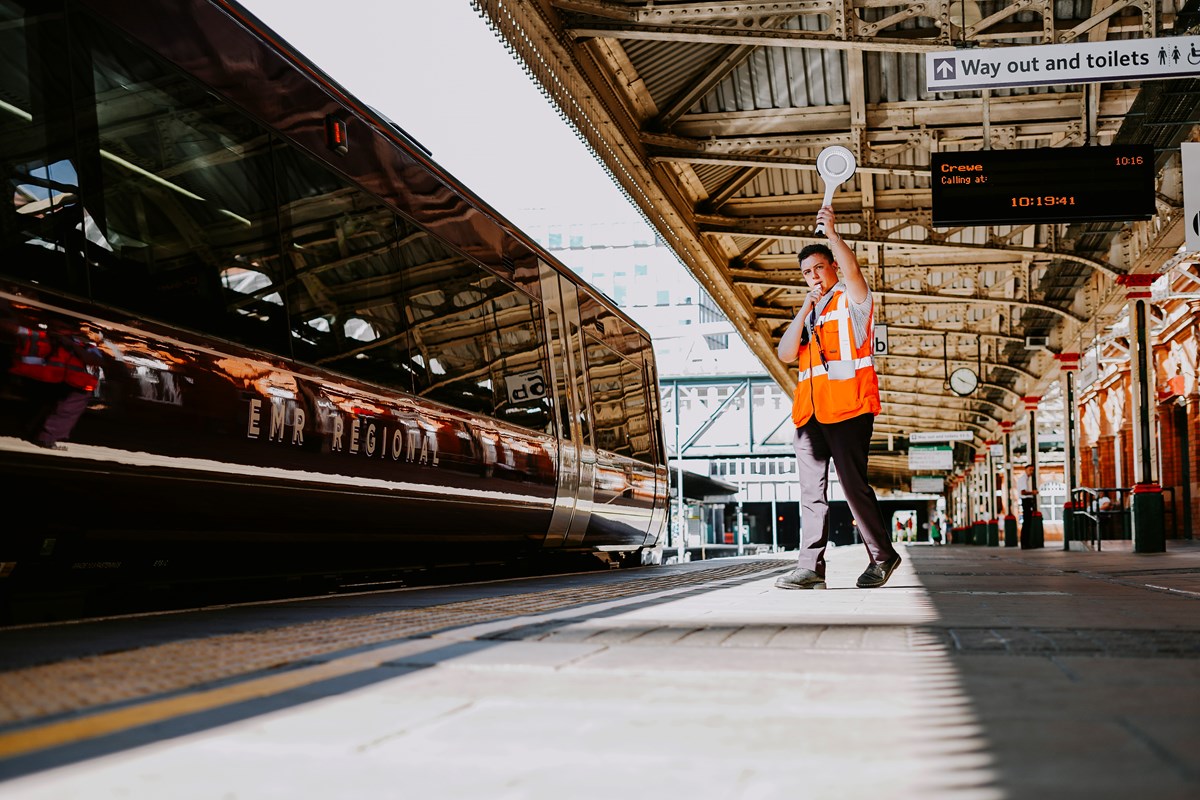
[975, 674]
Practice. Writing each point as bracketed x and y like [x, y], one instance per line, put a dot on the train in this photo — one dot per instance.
[252, 328]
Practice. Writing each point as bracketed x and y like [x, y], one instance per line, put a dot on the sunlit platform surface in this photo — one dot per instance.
[975, 673]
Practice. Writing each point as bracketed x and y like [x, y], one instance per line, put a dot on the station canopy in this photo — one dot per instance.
[711, 115]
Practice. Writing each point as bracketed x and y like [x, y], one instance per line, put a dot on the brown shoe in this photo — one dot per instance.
[877, 575]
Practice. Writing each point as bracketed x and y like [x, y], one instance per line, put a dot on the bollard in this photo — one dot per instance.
[1032, 536]
[1010, 531]
[1068, 527]
[993, 533]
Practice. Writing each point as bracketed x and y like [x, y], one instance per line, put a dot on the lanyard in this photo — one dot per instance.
[817, 338]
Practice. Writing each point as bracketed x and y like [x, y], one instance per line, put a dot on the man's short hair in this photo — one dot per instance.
[815, 250]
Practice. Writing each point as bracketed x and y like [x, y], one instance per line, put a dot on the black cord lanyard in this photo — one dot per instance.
[817, 339]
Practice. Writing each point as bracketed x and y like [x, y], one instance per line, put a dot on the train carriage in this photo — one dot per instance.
[288, 340]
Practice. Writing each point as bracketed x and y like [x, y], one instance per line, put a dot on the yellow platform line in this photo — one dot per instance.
[57, 734]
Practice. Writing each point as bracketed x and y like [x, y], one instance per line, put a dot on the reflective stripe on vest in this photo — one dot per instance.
[819, 369]
[40, 360]
[36, 357]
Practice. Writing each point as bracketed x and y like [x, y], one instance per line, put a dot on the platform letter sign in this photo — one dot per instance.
[525, 386]
[1191, 194]
[881, 340]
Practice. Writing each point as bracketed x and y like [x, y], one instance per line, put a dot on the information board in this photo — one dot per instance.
[1048, 184]
[930, 457]
[928, 484]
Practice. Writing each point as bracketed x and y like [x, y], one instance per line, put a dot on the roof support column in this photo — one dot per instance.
[1010, 519]
[680, 525]
[979, 513]
[1069, 366]
[993, 524]
[1032, 534]
[1149, 535]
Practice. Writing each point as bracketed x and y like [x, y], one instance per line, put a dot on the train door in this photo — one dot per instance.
[576, 455]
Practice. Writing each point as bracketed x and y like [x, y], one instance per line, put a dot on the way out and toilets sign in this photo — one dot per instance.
[1049, 64]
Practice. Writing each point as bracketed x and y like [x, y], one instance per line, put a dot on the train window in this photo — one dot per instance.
[621, 407]
[450, 303]
[574, 336]
[344, 290]
[42, 222]
[653, 395]
[562, 381]
[641, 439]
[521, 386]
[607, 376]
[186, 209]
[637, 407]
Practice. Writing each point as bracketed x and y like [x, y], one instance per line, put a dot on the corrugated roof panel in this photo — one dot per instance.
[713, 176]
[668, 69]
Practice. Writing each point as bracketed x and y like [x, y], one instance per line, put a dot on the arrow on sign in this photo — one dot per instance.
[944, 69]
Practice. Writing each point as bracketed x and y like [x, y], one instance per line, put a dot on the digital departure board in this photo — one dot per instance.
[1047, 184]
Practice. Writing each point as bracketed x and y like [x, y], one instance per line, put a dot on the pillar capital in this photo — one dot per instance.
[1067, 362]
[1007, 426]
[1137, 286]
[1031, 403]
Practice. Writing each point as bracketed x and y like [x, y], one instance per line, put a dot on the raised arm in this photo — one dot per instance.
[856, 284]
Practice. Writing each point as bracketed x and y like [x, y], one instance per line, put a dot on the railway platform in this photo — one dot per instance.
[974, 673]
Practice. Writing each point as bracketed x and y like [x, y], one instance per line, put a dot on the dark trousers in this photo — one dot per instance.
[59, 407]
[847, 443]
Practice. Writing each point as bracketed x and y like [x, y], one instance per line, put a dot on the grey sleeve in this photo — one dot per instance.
[860, 316]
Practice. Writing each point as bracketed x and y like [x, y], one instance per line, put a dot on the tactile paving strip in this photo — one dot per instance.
[836, 638]
[1117, 643]
[95, 681]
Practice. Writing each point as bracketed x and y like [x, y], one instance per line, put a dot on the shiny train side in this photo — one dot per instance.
[252, 328]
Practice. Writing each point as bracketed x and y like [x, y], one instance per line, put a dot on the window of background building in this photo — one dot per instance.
[639, 270]
[554, 241]
[663, 297]
[717, 341]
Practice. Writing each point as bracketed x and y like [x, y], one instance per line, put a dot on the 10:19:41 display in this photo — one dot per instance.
[1043, 200]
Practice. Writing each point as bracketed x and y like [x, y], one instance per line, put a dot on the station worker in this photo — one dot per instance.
[837, 398]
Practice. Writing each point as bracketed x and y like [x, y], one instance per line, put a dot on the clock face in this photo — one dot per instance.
[963, 381]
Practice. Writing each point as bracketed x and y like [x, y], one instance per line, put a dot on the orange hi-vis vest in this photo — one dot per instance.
[42, 359]
[837, 378]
